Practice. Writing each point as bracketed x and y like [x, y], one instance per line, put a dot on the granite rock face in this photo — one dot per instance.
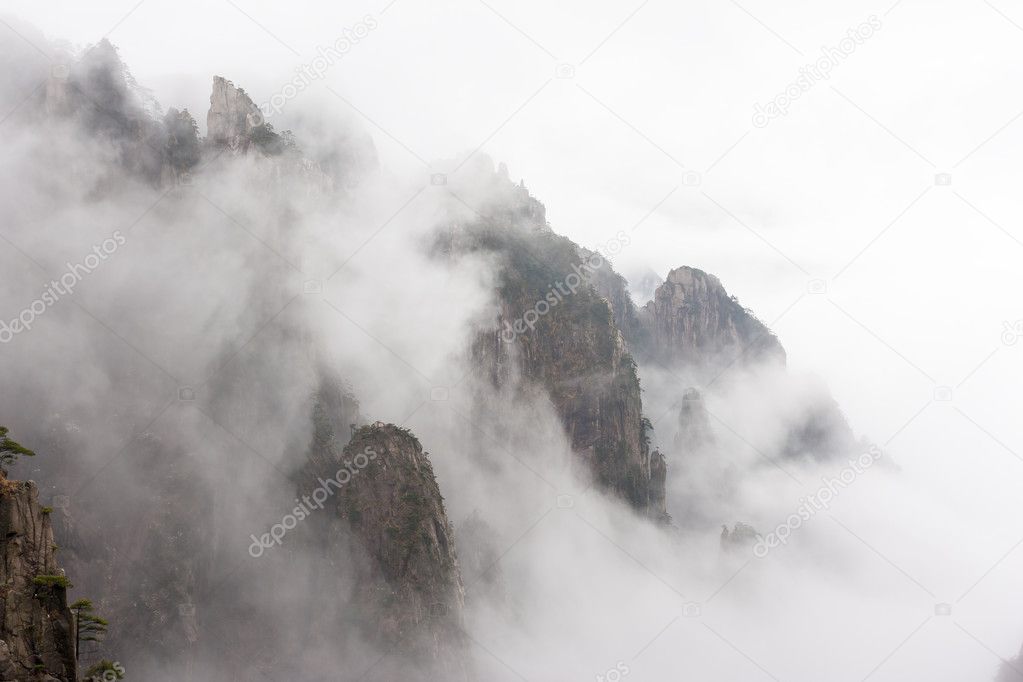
[555, 333]
[233, 117]
[693, 321]
[36, 633]
[694, 328]
[411, 592]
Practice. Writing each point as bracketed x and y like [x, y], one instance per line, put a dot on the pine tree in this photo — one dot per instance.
[88, 626]
[10, 451]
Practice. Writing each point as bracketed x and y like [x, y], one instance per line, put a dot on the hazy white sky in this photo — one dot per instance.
[921, 278]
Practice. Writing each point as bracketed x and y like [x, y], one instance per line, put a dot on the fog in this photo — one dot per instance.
[891, 291]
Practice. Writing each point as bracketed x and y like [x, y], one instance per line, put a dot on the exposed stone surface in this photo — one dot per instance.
[694, 430]
[694, 325]
[412, 595]
[616, 290]
[658, 503]
[573, 350]
[693, 321]
[36, 634]
[233, 116]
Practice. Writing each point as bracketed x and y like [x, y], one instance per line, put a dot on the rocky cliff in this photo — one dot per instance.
[693, 321]
[694, 328]
[556, 333]
[410, 594]
[694, 430]
[232, 117]
[36, 633]
[234, 121]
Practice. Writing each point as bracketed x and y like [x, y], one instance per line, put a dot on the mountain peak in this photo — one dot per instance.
[233, 116]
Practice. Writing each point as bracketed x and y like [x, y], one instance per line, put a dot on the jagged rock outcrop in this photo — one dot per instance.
[557, 333]
[411, 595]
[695, 327]
[99, 93]
[658, 503]
[36, 634]
[233, 118]
[693, 321]
[694, 430]
[616, 290]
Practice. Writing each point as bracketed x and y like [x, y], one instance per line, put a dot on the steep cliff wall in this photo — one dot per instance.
[694, 328]
[694, 431]
[36, 633]
[557, 333]
[411, 594]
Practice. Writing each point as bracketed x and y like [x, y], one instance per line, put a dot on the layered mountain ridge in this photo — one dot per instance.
[566, 337]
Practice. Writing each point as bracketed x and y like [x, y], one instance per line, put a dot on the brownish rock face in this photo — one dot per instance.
[411, 593]
[692, 320]
[36, 633]
[557, 335]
